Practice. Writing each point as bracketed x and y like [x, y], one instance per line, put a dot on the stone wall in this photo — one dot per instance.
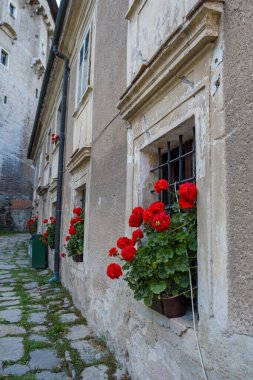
[238, 136]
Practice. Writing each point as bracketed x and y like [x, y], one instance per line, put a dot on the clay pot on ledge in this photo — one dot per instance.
[170, 307]
[77, 258]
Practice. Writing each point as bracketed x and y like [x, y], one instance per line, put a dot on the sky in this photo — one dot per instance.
[58, 2]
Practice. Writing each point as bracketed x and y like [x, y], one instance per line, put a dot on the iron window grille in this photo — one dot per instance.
[177, 166]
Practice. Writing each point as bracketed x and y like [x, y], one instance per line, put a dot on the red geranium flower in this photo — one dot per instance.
[185, 204]
[63, 254]
[152, 210]
[67, 238]
[137, 235]
[136, 218]
[45, 234]
[114, 271]
[79, 219]
[123, 241]
[45, 220]
[44, 241]
[160, 185]
[77, 211]
[161, 222]
[113, 252]
[128, 253]
[72, 230]
[188, 191]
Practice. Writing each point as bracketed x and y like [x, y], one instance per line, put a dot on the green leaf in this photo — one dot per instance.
[181, 249]
[158, 287]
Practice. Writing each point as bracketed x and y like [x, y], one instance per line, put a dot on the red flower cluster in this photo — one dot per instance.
[114, 271]
[55, 138]
[78, 211]
[137, 235]
[187, 195]
[160, 185]
[136, 218]
[63, 254]
[72, 230]
[52, 219]
[161, 222]
[152, 210]
[45, 220]
[32, 224]
[123, 241]
[67, 238]
[113, 252]
[128, 253]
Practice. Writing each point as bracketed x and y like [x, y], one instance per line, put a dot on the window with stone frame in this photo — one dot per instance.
[84, 66]
[4, 58]
[176, 162]
[80, 197]
[12, 10]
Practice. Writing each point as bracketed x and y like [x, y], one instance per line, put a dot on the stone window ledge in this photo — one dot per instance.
[78, 157]
[178, 325]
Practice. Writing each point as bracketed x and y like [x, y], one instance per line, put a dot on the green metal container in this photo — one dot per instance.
[38, 253]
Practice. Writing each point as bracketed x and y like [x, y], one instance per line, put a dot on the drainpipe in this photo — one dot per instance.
[56, 275]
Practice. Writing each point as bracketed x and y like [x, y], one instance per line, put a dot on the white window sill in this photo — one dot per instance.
[82, 102]
[177, 325]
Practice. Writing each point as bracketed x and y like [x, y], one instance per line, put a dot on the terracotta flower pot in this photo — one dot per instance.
[157, 304]
[170, 307]
[78, 258]
[174, 307]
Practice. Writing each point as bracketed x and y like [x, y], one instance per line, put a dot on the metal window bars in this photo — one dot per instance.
[172, 166]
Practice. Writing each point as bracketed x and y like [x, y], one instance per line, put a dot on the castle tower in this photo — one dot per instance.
[26, 28]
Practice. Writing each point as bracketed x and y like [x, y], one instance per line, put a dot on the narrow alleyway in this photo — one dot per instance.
[42, 335]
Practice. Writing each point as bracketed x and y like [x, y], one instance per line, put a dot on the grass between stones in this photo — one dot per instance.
[55, 301]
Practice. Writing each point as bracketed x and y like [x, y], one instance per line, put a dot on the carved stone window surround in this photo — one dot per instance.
[201, 29]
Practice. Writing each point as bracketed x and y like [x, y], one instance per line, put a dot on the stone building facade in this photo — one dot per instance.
[180, 69]
[26, 29]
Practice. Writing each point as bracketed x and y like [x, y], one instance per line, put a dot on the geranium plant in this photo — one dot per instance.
[157, 258]
[32, 225]
[75, 238]
[49, 234]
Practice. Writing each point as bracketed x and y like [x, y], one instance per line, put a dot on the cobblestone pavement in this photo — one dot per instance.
[42, 335]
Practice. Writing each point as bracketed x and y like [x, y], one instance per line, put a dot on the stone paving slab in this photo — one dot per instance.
[11, 348]
[11, 315]
[38, 318]
[38, 338]
[6, 288]
[44, 359]
[46, 375]
[69, 317]
[95, 372]
[15, 370]
[78, 332]
[87, 351]
[9, 303]
[11, 330]
[37, 329]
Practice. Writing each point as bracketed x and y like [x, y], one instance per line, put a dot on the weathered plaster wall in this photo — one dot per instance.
[238, 137]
